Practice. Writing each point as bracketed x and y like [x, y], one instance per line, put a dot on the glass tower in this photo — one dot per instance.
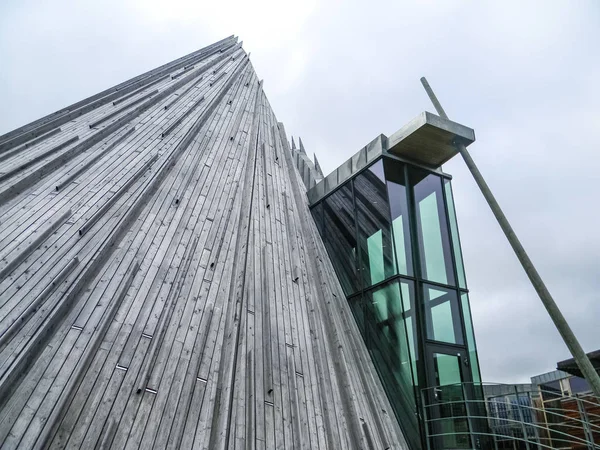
[392, 236]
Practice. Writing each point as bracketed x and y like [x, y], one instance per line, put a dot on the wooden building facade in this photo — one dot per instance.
[163, 283]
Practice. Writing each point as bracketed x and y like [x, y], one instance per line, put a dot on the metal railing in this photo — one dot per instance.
[462, 416]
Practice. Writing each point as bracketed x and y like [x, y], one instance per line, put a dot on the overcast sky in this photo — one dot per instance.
[524, 75]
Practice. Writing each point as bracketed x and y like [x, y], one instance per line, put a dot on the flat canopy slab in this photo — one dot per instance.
[429, 140]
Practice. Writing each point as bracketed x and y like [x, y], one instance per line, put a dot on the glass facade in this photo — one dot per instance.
[392, 237]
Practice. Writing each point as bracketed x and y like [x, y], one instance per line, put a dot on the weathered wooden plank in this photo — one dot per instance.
[18, 322]
[122, 109]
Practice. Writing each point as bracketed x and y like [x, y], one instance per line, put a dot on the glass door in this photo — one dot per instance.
[448, 370]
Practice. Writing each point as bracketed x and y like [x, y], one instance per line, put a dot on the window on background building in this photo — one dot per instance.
[340, 236]
[551, 390]
[579, 385]
[396, 186]
[432, 227]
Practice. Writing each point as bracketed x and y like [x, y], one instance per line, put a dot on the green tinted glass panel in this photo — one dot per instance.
[432, 227]
[399, 245]
[432, 240]
[443, 329]
[470, 338]
[388, 343]
[447, 368]
[408, 301]
[392, 338]
[442, 315]
[375, 257]
[398, 200]
[454, 231]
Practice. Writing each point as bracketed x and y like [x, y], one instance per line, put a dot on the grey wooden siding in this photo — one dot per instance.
[162, 283]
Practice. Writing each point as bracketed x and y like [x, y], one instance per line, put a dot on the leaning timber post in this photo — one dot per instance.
[556, 315]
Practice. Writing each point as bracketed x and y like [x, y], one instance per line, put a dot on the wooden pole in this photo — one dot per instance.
[556, 315]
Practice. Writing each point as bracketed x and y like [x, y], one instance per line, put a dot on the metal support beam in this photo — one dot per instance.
[556, 315]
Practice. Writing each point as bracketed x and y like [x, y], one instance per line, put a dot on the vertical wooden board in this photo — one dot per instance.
[269, 426]
[161, 398]
[198, 405]
[168, 414]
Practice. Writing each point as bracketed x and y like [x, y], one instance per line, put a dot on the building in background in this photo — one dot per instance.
[557, 410]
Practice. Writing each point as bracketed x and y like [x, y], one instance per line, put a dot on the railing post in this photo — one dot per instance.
[468, 411]
[425, 419]
[589, 436]
[534, 417]
[522, 419]
[493, 418]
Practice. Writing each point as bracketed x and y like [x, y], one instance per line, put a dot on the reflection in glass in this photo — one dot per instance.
[454, 230]
[388, 342]
[396, 185]
[432, 228]
[407, 291]
[317, 213]
[442, 315]
[375, 232]
[579, 385]
[464, 298]
[357, 307]
[340, 236]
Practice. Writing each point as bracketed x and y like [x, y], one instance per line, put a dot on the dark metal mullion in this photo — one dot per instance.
[358, 270]
[425, 168]
[445, 346]
[439, 300]
[419, 308]
[396, 279]
[445, 286]
[413, 279]
[420, 322]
